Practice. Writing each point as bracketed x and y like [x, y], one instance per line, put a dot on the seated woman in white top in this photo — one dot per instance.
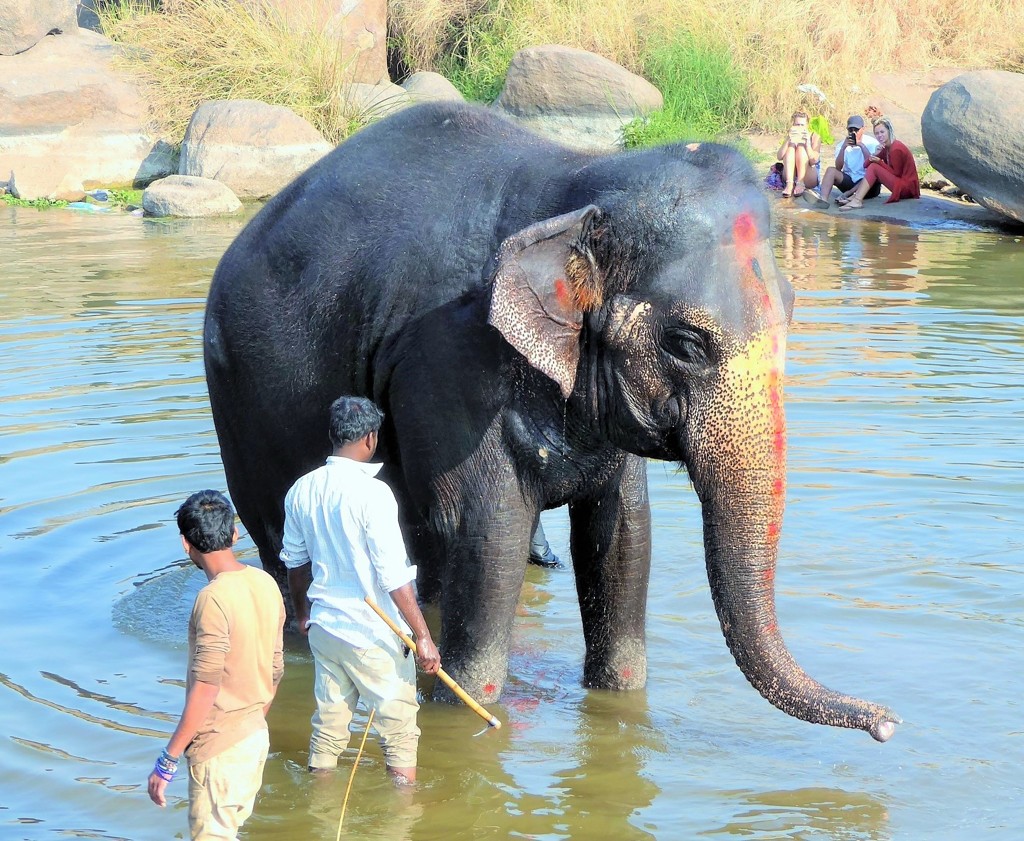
[800, 154]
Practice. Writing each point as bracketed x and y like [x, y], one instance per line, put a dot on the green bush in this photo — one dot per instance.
[40, 204]
[482, 49]
[705, 94]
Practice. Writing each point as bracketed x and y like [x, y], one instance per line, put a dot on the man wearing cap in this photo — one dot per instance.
[852, 155]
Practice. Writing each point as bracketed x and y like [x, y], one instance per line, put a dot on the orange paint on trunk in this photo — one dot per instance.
[490, 688]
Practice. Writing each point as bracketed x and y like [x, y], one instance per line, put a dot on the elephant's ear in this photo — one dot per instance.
[547, 279]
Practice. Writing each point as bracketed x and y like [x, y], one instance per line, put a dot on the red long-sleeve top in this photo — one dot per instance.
[900, 161]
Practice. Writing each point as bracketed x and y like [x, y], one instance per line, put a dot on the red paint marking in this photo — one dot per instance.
[489, 689]
[772, 628]
[744, 230]
[523, 705]
[562, 292]
[626, 673]
[773, 531]
[779, 487]
[768, 576]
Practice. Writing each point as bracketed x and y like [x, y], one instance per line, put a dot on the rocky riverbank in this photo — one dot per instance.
[72, 120]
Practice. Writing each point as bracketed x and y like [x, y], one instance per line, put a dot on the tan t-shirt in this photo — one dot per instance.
[236, 642]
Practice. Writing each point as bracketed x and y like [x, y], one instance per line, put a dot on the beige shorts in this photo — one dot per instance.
[222, 790]
[383, 679]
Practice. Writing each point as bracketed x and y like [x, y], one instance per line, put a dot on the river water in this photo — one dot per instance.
[900, 575]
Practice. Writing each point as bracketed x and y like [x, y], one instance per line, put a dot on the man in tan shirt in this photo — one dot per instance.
[235, 662]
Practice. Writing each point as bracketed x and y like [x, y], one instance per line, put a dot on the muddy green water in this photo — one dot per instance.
[900, 576]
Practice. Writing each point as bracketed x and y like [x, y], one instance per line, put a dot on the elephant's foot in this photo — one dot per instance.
[622, 667]
[481, 682]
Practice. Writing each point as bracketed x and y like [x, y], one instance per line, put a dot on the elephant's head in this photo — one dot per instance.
[658, 308]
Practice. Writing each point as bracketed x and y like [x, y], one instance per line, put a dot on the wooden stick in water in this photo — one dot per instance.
[441, 673]
[352, 776]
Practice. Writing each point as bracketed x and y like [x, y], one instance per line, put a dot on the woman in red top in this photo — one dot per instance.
[894, 166]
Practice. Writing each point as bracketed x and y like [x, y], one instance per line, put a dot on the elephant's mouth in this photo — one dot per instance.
[668, 413]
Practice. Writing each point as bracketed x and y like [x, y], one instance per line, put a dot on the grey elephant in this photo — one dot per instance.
[535, 322]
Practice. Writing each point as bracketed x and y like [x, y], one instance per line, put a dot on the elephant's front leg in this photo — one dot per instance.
[481, 584]
[611, 552]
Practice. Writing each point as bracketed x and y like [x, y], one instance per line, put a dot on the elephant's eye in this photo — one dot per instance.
[687, 344]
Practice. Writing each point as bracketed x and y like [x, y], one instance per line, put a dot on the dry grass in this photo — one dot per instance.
[778, 46]
[188, 51]
[197, 50]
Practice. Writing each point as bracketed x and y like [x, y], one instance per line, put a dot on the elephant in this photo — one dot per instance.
[535, 323]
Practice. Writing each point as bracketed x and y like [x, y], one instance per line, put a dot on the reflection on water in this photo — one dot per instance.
[804, 814]
[899, 575]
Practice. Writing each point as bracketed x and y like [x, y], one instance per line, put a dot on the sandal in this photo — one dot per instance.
[788, 191]
[852, 204]
[842, 200]
[798, 190]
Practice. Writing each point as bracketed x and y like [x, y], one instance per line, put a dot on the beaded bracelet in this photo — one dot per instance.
[166, 766]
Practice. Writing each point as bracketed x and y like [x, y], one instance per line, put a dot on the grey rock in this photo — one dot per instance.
[186, 195]
[971, 129]
[369, 103]
[252, 147]
[24, 23]
[574, 96]
[427, 86]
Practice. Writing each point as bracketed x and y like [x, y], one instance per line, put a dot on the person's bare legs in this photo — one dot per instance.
[402, 776]
[872, 174]
[788, 170]
[800, 183]
[828, 179]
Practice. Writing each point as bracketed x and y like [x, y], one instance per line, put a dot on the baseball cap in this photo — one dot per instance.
[856, 121]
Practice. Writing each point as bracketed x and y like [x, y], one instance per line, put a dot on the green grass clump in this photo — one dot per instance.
[39, 204]
[705, 93]
[125, 197]
[479, 61]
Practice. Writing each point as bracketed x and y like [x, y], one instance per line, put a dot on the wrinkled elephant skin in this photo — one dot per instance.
[534, 322]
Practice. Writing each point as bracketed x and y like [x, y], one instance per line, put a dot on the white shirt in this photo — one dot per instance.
[853, 158]
[344, 521]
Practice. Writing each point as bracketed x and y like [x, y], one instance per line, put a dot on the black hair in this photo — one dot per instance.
[353, 418]
[207, 521]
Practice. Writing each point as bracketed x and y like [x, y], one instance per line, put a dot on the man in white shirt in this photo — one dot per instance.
[342, 542]
[852, 154]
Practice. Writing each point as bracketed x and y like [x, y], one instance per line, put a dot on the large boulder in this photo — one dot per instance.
[574, 96]
[971, 129]
[253, 147]
[185, 195]
[69, 121]
[24, 23]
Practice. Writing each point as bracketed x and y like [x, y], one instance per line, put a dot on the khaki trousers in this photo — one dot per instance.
[384, 680]
[222, 790]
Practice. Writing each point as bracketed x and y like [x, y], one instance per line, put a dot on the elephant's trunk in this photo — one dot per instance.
[739, 469]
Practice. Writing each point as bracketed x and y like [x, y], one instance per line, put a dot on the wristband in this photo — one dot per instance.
[166, 766]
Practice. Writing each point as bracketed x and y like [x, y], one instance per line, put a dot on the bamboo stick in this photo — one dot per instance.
[441, 673]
